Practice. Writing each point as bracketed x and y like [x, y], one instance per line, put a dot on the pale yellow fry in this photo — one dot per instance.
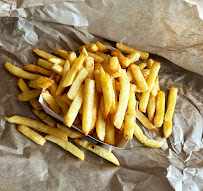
[160, 108]
[167, 128]
[70, 76]
[127, 50]
[58, 69]
[102, 48]
[144, 140]
[88, 102]
[129, 126]
[23, 87]
[134, 56]
[142, 65]
[70, 131]
[65, 71]
[48, 56]
[151, 107]
[114, 96]
[130, 75]
[113, 64]
[107, 90]
[38, 70]
[124, 61]
[37, 138]
[123, 100]
[138, 76]
[102, 106]
[110, 132]
[61, 53]
[89, 66]
[100, 124]
[53, 88]
[97, 81]
[62, 104]
[37, 125]
[136, 88]
[150, 62]
[72, 57]
[96, 57]
[145, 72]
[20, 72]
[131, 109]
[40, 83]
[155, 87]
[77, 83]
[44, 63]
[44, 117]
[171, 103]
[144, 120]
[51, 102]
[92, 48]
[98, 150]
[104, 56]
[144, 101]
[68, 146]
[28, 95]
[75, 106]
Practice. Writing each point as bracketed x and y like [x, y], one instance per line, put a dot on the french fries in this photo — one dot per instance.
[155, 87]
[72, 57]
[89, 65]
[37, 126]
[102, 48]
[68, 146]
[37, 138]
[134, 56]
[58, 69]
[151, 107]
[98, 150]
[44, 63]
[96, 57]
[20, 72]
[142, 65]
[41, 83]
[61, 53]
[150, 62]
[29, 95]
[110, 132]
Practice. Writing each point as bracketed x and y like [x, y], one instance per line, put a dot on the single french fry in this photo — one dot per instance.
[23, 87]
[88, 102]
[127, 50]
[68, 146]
[123, 100]
[37, 125]
[44, 63]
[155, 87]
[134, 56]
[92, 48]
[44, 117]
[61, 53]
[51, 101]
[97, 80]
[89, 66]
[130, 75]
[57, 78]
[150, 62]
[102, 48]
[66, 68]
[145, 72]
[84, 51]
[53, 88]
[151, 107]
[98, 150]
[110, 132]
[102, 106]
[113, 64]
[100, 124]
[96, 57]
[72, 57]
[28, 95]
[130, 114]
[142, 65]
[144, 101]
[124, 61]
[104, 56]
[115, 53]
[77, 83]
[144, 140]
[20, 72]
[37, 138]
[138, 76]
[58, 69]
[160, 108]
[71, 74]
[107, 90]
[167, 128]
[48, 56]
[114, 96]
[72, 133]
[38, 70]
[40, 83]
[144, 120]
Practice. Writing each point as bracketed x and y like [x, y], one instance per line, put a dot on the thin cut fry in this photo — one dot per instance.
[96, 57]
[151, 107]
[89, 66]
[167, 128]
[102, 48]
[20, 72]
[134, 56]
[150, 62]
[72, 57]
[144, 140]
[39, 126]
[44, 63]
[144, 101]
[160, 108]
[97, 81]
[98, 150]
[28, 95]
[68, 146]
[114, 96]
[143, 119]
[110, 132]
[37, 138]
[40, 83]
[44, 117]
[61, 53]
[123, 100]
[155, 87]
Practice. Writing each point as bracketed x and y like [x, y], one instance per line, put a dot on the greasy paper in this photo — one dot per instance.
[68, 25]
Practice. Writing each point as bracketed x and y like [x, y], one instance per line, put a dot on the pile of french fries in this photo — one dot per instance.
[97, 90]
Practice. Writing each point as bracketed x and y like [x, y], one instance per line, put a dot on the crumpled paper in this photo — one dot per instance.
[27, 166]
